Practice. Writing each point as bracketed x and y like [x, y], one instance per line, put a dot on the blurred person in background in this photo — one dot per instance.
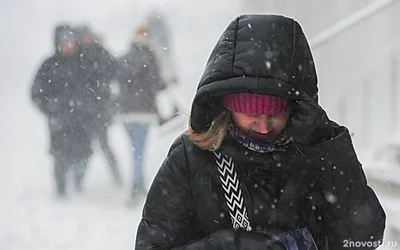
[261, 166]
[56, 91]
[160, 34]
[169, 101]
[98, 68]
[139, 81]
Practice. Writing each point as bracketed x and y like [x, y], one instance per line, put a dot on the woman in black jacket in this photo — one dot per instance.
[261, 166]
[140, 80]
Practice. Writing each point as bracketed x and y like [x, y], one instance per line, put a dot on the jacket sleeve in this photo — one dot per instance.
[106, 74]
[41, 93]
[166, 218]
[108, 67]
[154, 73]
[351, 211]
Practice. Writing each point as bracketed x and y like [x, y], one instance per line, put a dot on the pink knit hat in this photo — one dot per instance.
[255, 104]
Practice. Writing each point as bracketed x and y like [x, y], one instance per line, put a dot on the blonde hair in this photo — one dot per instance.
[212, 138]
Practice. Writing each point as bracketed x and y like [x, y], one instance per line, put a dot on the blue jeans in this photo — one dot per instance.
[137, 132]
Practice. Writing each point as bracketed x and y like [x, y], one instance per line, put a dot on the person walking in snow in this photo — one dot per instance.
[261, 165]
[160, 34]
[139, 79]
[56, 92]
[98, 68]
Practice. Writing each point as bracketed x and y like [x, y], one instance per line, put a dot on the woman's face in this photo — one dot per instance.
[264, 127]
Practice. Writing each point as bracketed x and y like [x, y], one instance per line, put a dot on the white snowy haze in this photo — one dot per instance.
[31, 217]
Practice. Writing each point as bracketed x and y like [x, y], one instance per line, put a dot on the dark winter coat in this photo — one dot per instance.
[97, 69]
[321, 186]
[139, 79]
[57, 93]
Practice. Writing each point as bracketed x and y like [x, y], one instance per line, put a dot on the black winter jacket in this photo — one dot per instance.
[321, 187]
[57, 91]
[98, 68]
[139, 78]
[282, 191]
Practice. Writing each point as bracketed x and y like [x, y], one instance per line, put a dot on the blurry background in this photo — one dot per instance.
[356, 49]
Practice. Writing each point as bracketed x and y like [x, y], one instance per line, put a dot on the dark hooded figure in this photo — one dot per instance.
[261, 166]
[139, 79]
[98, 67]
[56, 91]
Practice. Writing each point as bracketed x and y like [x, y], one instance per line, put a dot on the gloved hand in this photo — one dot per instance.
[309, 124]
[256, 240]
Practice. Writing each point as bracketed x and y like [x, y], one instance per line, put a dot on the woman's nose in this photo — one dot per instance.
[264, 124]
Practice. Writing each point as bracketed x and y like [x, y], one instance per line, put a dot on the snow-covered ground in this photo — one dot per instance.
[31, 217]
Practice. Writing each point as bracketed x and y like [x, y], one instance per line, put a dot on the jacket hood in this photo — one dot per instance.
[64, 33]
[264, 54]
